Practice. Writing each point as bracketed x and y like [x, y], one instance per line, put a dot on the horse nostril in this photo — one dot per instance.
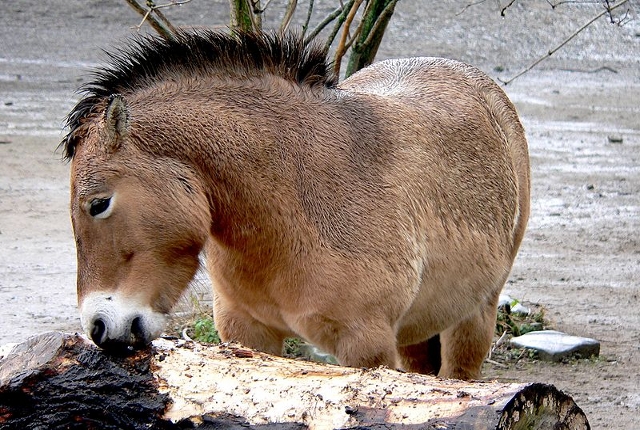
[98, 332]
[137, 331]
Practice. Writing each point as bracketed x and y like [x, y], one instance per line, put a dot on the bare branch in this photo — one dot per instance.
[151, 4]
[612, 19]
[305, 26]
[581, 2]
[257, 9]
[382, 18]
[564, 42]
[243, 16]
[156, 9]
[341, 17]
[469, 6]
[340, 50]
[286, 20]
[163, 19]
[326, 21]
[504, 9]
[162, 26]
[255, 13]
[355, 35]
[608, 6]
[375, 17]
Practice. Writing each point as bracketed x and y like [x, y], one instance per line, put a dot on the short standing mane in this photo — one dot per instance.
[202, 53]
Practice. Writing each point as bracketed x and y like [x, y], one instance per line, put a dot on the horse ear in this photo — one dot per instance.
[116, 120]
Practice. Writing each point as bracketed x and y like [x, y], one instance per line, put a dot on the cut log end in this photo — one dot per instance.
[57, 380]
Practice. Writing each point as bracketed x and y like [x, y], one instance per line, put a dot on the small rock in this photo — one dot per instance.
[553, 345]
[6, 349]
[535, 326]
[504, 300]
[615, 139]
[317, 355]
[514, 306]
[518, 308]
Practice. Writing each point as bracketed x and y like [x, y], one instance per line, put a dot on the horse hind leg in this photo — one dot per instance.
[423, 357]
[465, 345]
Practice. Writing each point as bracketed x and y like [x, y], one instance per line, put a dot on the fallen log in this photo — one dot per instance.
[59, 380]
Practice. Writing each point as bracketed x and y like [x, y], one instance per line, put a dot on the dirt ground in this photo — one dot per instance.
[580, 259]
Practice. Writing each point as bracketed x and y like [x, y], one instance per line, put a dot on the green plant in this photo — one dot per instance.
[518, 324]
[293, 347]
[204, 330]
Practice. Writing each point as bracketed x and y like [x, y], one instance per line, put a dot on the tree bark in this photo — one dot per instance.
[58, 380]
[376, 16]
[241, 15]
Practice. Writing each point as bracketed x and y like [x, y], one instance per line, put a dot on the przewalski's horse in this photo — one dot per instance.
[367, 217]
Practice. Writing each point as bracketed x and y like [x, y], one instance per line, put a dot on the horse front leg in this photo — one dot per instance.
[354, 343]
[236, 325]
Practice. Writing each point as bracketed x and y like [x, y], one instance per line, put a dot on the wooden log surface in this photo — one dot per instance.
[59, 380]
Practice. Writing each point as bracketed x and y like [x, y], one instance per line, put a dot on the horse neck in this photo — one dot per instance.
[234, 139]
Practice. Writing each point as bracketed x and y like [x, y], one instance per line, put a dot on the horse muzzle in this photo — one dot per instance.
[116, 324]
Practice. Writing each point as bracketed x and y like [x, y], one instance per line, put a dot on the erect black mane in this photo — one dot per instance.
[199, 52]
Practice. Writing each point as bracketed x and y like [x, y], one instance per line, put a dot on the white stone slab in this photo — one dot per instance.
[554, 345]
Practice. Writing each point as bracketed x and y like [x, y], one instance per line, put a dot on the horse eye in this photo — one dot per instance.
[99, 206]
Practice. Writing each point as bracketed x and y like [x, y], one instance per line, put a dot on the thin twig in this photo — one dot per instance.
[341, 17]
[173, 3]
[560, 3]
[326, 21]
[564, 42]
[288, 15]
[500, 341]
[185, 335]
[255, 5]
[470, 5]
[504, 9]
[497, 344]
[162, 25]
[256, 17]
[340, 50]
[355, 35]
[158, 12]
[596, 70]
[305, 26]
[495, 363]
[153, 22]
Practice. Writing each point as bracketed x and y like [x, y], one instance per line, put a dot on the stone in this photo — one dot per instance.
[6, 349]
[553, 345]
[515, 308]
[314, 354]
[518, 308]
[614, 138]
[505, 299]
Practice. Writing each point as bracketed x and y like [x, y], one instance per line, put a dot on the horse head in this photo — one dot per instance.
[140, 221]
